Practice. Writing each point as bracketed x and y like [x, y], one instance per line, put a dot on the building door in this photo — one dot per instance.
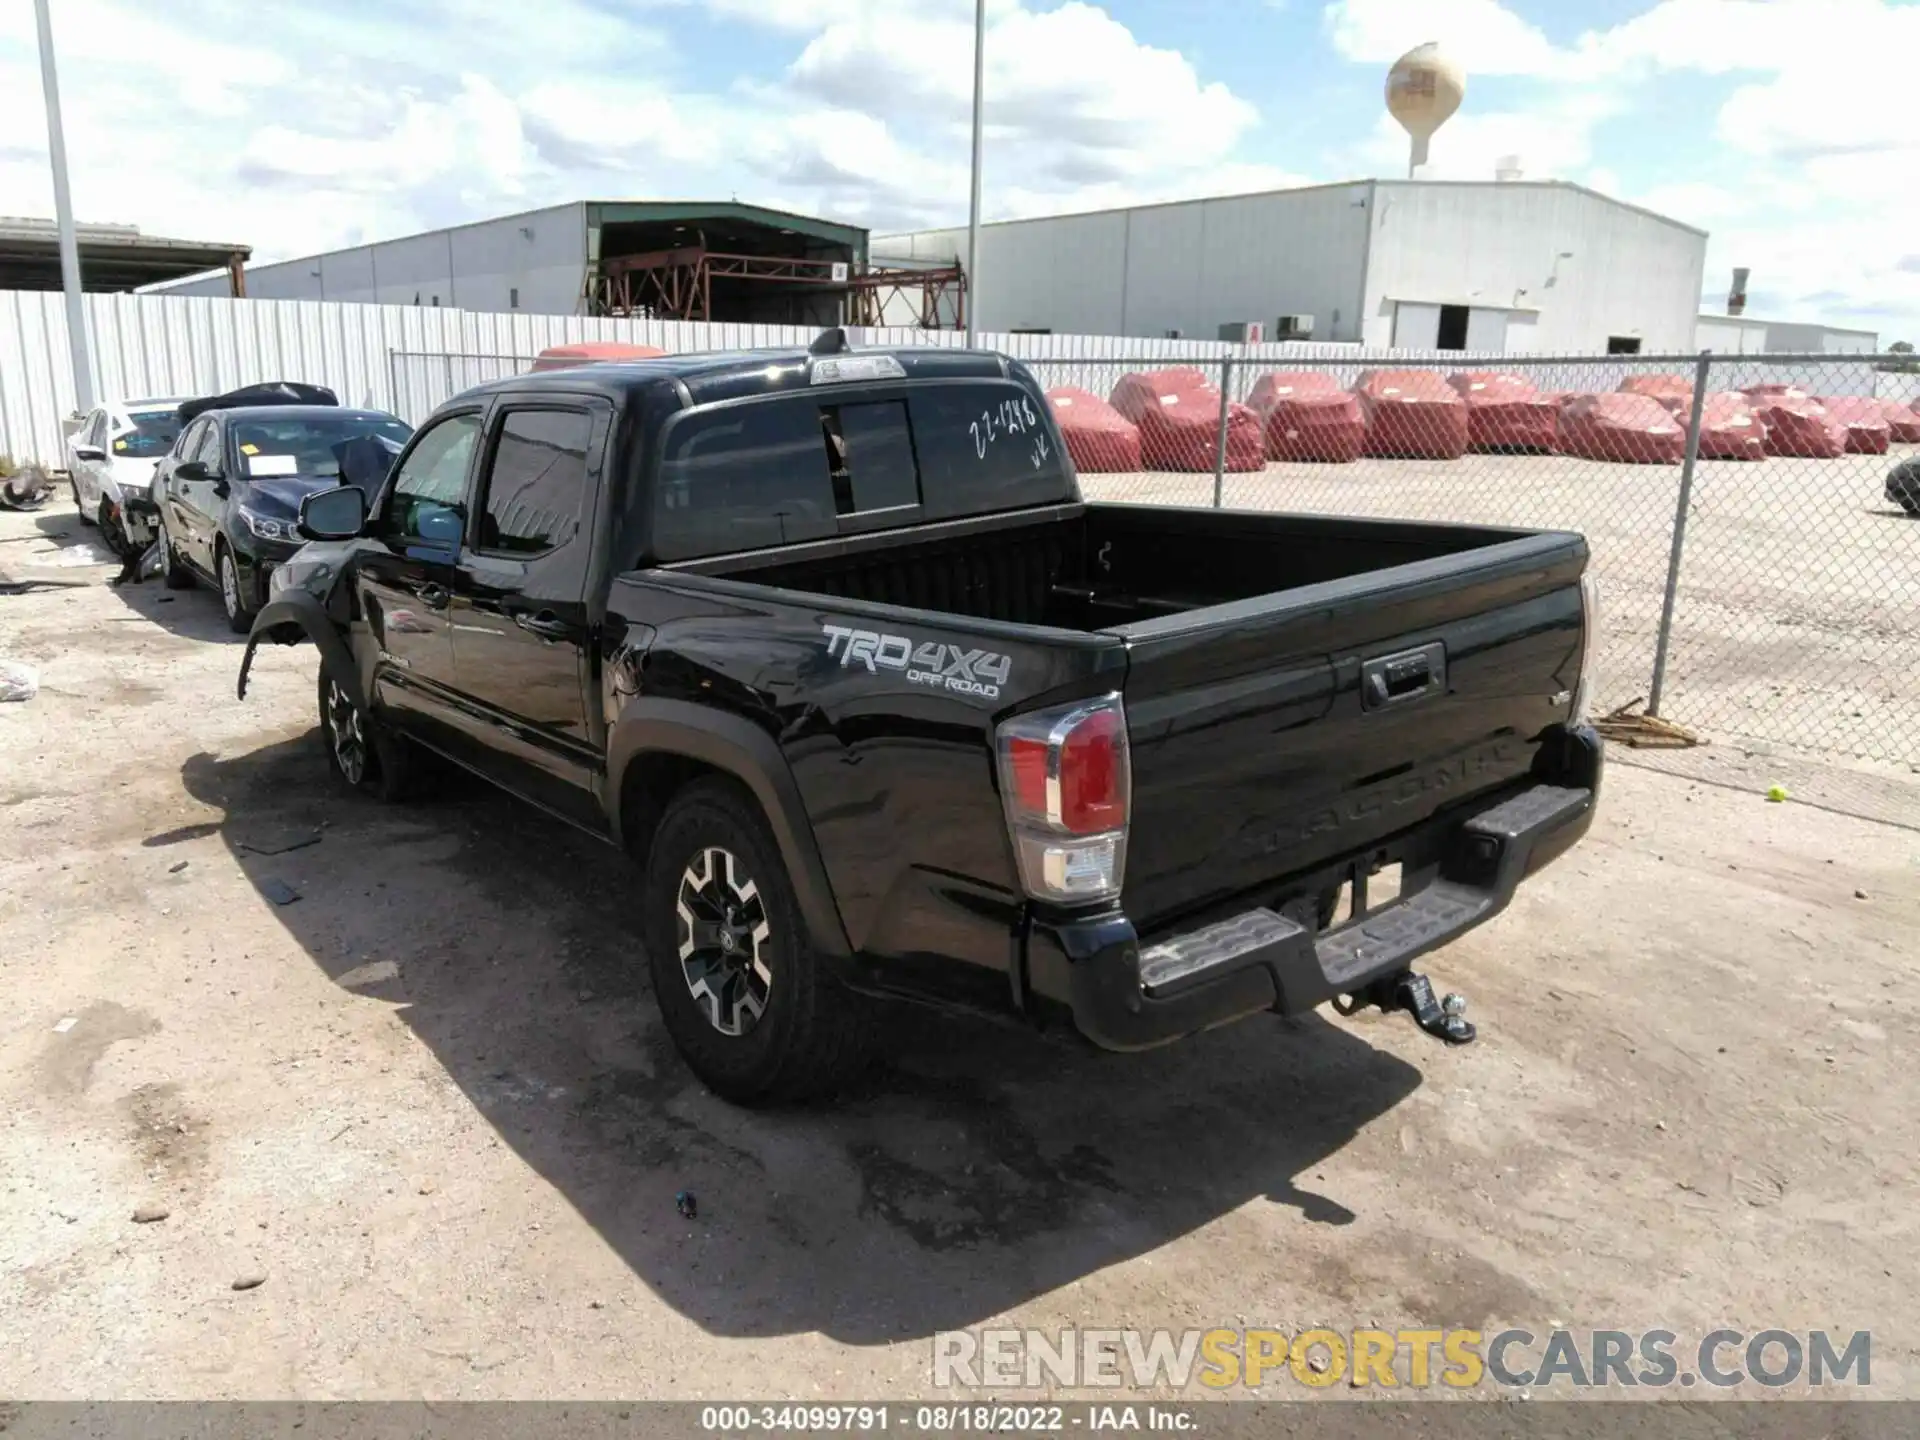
[1487, 331]
[1452, 332]
[1415, 326]
[1623, 345]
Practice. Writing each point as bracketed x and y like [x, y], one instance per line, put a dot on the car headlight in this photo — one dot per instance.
[1589, 643]
[271, 527]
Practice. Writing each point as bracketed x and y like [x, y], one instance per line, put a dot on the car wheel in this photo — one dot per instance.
[239, 617]
[747, 1000]
[361, 756]
[173, 574]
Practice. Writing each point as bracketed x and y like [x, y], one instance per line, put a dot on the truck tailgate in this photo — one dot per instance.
[1276, 736]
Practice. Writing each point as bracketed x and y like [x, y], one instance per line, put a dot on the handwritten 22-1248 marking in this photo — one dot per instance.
[1009, 417]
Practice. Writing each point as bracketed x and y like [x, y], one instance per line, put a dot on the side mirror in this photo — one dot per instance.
[90, 453]
[439, 525]
[336, 514]
[191, 470]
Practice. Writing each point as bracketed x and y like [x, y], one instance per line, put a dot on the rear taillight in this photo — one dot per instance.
[1064, 780]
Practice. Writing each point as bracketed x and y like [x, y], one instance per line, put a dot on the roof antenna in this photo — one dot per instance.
[831, 342]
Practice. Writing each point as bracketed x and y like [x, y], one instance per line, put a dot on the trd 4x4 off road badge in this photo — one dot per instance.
[946, 667]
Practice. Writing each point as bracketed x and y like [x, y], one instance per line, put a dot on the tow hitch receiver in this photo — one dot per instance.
[1413, 992]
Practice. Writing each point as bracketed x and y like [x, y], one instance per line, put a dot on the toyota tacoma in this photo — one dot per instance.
[882, 707]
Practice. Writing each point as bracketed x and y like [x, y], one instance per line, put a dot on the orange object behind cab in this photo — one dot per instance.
[592, 352]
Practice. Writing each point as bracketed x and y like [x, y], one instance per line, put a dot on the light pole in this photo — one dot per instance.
[63, 215]
[971, 296]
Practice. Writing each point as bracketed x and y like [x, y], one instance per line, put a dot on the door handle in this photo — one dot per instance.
[434, 597]
[546, 624]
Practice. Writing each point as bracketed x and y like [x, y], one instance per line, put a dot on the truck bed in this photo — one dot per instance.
[1268, 746]
[1100, 567]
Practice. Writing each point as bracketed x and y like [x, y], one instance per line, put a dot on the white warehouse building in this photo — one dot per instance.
[1511, 266]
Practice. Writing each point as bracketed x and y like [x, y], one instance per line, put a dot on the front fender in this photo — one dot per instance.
[297, 615]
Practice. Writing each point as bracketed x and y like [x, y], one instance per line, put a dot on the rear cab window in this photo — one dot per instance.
[794, 467]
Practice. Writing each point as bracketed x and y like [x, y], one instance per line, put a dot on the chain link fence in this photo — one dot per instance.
[1754, 520]
[1751, 518]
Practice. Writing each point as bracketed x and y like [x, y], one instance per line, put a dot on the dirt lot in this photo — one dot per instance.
[1798, 619]
[428, 1102]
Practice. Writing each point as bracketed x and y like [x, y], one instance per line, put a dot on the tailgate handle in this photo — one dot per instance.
[1403, 678]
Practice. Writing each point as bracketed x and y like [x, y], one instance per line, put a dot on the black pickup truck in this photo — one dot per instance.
[830, 642]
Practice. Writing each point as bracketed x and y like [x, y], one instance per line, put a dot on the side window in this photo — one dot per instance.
[209, 454]
[188, 444]
[96, 434]
[537, 482]
[426, 500]
[742, 477]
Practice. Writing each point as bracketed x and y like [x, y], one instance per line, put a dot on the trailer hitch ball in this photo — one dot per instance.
[1444, 1019]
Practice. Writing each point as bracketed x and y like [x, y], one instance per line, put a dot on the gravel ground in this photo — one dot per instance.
[427, 1105]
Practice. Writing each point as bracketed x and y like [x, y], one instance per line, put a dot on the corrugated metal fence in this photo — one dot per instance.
[160, 345]
[156, 345]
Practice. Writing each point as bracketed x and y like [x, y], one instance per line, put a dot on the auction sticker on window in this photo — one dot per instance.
[273, 465]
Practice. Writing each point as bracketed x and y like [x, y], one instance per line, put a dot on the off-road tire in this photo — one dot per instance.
[813, 1035]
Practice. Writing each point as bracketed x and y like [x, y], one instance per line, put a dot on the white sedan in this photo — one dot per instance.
[114, 452]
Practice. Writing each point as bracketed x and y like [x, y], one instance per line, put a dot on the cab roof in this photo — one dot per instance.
[709, 376]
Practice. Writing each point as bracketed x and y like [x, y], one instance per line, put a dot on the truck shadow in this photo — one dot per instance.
[978, 1167]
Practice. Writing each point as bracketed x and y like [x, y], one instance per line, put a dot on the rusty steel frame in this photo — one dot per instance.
[677, 284]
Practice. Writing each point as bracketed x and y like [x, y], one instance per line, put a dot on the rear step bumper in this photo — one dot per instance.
[1126, 996]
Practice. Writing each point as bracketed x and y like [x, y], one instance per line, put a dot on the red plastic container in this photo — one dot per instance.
[1673, 391]
[1100, 440]
[1864, 420]
[1903, 422]
[1178, 413]
[1623, 428]
[1729, 430]
[1506, 412]
[1798, 425]
[1305, 415]
[1412, 414]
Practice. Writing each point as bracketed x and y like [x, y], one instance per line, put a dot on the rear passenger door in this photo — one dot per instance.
[522, 629]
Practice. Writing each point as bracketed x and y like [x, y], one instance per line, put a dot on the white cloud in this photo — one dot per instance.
[1553, 141]
[301, 128]
[1121, 114]
[1483, 36]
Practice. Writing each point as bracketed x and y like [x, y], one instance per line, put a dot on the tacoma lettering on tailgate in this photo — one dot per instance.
[946, 667]
[1376, 800]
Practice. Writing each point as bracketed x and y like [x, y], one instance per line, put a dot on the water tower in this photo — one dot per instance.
[1424, 88]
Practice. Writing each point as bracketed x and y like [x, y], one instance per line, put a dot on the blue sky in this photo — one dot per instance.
[1779, 125]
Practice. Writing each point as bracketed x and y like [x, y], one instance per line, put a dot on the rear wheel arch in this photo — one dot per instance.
[658, 747]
